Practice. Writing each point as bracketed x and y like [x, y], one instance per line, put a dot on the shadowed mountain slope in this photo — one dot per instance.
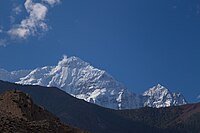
[97, 119]
[77, 112]
[183, 119]
[18, 113]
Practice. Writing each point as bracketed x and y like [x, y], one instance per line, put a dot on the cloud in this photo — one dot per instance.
[34, 23]
[51, 2]
[17, 9]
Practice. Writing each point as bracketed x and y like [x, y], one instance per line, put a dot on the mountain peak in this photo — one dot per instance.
[159, 86]
[63, 62]
[159, 96]
[83, 81]
[72, 61]
[158, 89]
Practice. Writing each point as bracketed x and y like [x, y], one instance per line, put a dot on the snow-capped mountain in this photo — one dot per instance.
[159, 96]
[83, 81]
[13, 76]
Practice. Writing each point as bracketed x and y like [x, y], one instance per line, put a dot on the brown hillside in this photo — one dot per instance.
[18, 113]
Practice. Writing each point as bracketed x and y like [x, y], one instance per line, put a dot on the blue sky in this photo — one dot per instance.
[140, 42]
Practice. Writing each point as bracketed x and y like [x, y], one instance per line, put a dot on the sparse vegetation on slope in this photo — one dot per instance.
[18, 114]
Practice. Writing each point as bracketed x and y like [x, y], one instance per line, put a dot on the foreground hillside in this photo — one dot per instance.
[19, 114]
[96, 119]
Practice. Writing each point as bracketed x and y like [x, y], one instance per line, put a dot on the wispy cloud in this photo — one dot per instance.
[52, 2]
[198, 97]
[17, 9]
[33, 24]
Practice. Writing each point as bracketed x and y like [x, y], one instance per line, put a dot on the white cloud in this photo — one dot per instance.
[35, 22]
[37, 11]
[17, 9]
[20, 32]
[52, 2]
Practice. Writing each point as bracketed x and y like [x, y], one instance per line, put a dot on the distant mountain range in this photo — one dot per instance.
[93, 118]
[83, 81]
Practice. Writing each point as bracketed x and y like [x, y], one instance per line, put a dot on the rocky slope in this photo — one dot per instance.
[83, 81]
[19, 114]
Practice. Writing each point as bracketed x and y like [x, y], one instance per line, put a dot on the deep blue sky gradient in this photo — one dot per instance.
[139, 42]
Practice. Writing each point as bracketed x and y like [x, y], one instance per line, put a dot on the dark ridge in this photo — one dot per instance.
[77, 112]
[96, 119]
[183, 119]
[18, 113]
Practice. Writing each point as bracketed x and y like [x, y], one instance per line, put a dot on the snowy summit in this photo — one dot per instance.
[83, 81]
[159, 96]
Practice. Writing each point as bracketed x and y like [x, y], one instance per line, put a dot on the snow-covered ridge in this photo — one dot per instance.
[83, 81]
[159, 96]
[13, 76]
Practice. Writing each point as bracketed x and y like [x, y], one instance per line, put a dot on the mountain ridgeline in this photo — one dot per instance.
[76, 112]
[83, 81]
[96, 119]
